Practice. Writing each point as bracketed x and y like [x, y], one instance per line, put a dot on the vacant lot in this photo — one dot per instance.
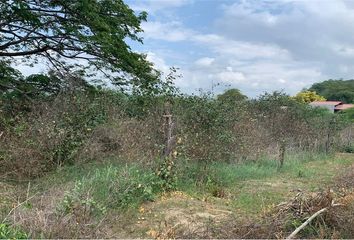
[110, 199]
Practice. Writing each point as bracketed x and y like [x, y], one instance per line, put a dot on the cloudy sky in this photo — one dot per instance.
[255, 46]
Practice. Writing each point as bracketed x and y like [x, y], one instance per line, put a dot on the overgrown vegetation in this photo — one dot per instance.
[78, 160]
[218, 143]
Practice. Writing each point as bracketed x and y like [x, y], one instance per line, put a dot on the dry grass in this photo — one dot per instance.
[41, 218]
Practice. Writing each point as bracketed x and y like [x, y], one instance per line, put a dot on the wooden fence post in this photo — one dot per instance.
[169, 126]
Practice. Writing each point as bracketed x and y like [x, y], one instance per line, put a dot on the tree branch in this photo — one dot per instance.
[297, 230]
[25, 53]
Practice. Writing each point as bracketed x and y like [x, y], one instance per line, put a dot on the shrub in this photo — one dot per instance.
[349, 149]
[81, 204]
[166, 172]
[52, 133]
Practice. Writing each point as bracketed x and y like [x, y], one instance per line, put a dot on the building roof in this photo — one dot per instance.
[344, 106]
[332, 105]
[319, 103]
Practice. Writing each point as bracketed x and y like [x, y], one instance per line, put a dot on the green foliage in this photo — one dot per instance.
[167, 173]
[115, 187]
[82, 113]
[140, 103]
[8, 232]
[349, 148]
[207, 127]
[63, 130]
[335, 90]
[348, 114]
[95, 31]
[231, 96]
[78, 201]
[219, 176]
[281, 115]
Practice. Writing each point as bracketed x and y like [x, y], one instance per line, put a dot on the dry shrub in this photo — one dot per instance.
[341, 219]
[129, 139]
[346, 179]
[141, 140]
[40, 218]
[105, 141]
[21, 157]
[337, 222]
[50, 135]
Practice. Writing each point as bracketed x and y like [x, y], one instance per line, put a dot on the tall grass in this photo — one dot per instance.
[117, 186]
[193, 176]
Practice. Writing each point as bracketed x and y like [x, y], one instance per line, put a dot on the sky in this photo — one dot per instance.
[255, 46]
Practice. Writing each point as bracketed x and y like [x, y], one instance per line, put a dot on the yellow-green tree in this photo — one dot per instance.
[308, 96]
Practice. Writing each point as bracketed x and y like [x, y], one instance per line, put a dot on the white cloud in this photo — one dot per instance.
[204, 62]
[306, 29]
[158, 61]
[170, 31]
[231, 77]
[252, 67]
[280, 80]
[240, 49]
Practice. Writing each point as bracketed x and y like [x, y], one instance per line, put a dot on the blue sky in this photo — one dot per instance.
[255, 46]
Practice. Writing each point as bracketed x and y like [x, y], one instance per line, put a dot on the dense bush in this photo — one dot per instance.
[83, 125]
[52, 133]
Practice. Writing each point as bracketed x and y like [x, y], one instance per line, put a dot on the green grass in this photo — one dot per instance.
[8, 232]
[114, 187]
[250, 187]
[255, 186]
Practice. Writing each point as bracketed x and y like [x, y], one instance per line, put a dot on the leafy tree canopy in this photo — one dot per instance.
[340, 90]
[92, 31]
[308, 96]
[231, 95]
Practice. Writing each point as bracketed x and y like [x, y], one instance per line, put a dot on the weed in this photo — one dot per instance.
[81, 204]
[114, 187]
[8, 232]
[167, 173]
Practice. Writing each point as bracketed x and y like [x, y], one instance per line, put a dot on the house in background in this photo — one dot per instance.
[333, 106]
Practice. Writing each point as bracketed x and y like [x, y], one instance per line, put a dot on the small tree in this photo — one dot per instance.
[231, 96]
[283, 119]
[308, 96]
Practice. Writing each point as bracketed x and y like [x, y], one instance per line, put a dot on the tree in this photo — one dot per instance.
[335, 90]
[231, 96]
[284, 118]
[308, 96]
[63, 32]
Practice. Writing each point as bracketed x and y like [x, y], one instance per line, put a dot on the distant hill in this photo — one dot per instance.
[341, 90]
